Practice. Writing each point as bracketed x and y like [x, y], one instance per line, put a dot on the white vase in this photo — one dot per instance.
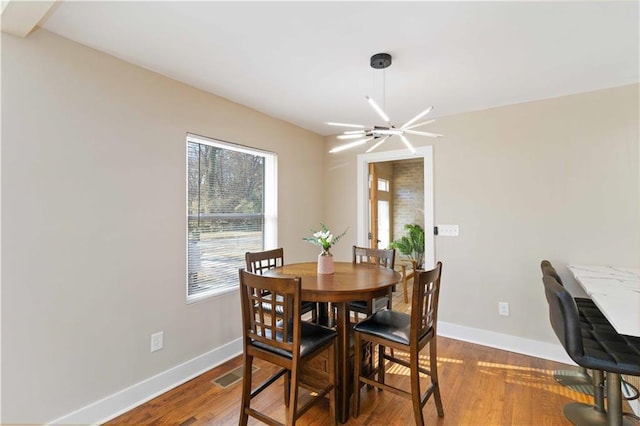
[325, 262]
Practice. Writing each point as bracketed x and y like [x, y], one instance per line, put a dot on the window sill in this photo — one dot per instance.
[213, 294]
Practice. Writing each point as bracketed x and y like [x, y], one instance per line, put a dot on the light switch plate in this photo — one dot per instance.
[448, 230]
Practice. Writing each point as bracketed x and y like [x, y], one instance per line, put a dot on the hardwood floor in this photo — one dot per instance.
[479, 385]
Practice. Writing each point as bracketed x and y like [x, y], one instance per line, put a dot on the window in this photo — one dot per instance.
[231, 209]
[383, 185]
[384, 221]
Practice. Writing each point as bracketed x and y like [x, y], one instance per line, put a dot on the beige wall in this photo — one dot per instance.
[555, 179]
[93, 221]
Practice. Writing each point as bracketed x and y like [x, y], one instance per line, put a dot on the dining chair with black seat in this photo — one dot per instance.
[280, 337]
[597, 348]
[260, 261]
[408, 333]
[382, 257]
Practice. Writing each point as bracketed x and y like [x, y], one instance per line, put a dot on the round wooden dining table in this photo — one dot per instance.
[349, 282]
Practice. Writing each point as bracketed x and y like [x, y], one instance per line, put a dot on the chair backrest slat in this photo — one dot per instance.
[278, 326]
[381, 257]
[424, 305]
[258, 262]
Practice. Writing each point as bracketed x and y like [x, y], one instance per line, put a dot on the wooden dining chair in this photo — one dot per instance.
[282, 338]
[408, 272]
[381, 257]
[407, 333]
[260, 261]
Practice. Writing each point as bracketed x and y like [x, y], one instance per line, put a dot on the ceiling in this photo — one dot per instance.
[308, 62]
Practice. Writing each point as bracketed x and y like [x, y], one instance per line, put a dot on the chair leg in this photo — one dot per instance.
[332, 381]
[246, 390]
[389, 304]
[381, 363]
[614, 399]
[287, 388]
[404, 286]
[433, 366]
[293, 397]
[357, 365]
[598, 390]
[414, 373]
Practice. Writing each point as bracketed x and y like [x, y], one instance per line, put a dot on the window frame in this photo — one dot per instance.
[270, 207]
[384, 185]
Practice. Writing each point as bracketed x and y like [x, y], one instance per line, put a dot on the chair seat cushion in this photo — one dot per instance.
[361, 305]
[312, 337]
[610, 351]
[391, 325]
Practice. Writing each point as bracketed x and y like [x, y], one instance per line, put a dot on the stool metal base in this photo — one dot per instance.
[576, 380]
[586, 415]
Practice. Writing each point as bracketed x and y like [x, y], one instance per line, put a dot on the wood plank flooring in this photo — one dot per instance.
[479, 385]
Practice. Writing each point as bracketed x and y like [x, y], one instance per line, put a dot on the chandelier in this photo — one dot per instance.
[380, 134]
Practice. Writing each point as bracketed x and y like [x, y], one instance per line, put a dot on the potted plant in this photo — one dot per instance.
[412, 245]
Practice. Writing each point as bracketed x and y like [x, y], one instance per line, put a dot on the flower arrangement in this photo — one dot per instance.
[324, 238]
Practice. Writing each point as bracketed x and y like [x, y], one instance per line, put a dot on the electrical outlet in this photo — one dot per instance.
[503, 309]
[157, 341]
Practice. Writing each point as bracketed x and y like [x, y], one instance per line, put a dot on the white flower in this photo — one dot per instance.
[324, 238]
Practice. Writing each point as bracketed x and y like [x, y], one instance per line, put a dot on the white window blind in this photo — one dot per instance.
[231, 209]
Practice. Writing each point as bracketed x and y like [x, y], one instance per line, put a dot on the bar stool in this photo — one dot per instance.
[598, 349]
[580, 380]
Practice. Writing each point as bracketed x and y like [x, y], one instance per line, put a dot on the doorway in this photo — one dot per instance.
[363, 195]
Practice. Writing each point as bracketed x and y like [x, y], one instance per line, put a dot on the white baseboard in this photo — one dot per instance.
[120, 402]
[507, 342]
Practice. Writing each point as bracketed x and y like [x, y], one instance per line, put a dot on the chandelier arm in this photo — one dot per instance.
[350, 136]
[377, 144]
[415, 132]
[355, 126]
[379, 110]
[349, 145]
[417, 117]
[418, 125]
[408, 144]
